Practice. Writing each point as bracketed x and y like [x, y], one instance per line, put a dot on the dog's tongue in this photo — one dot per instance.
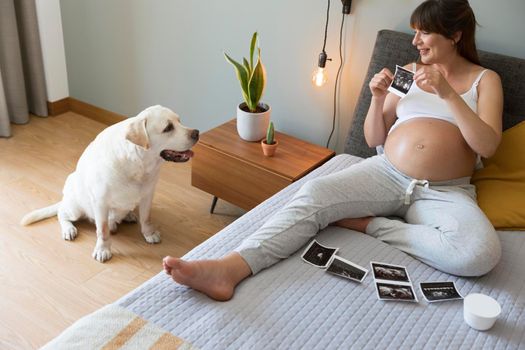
[174, 156]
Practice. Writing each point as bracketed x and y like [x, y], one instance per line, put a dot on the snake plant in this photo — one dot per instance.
[252, 77]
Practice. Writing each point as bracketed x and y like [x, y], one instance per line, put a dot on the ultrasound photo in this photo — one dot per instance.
[439, 291]
[403, 79]
[389, 272]
[347, 269]
[387, 291]
[318, 255]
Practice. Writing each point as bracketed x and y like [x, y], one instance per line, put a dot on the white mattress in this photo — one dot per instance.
[293, 305]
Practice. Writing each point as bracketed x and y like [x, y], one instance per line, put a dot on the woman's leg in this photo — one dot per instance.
[444, 228]
[364, 189]
[357, 224]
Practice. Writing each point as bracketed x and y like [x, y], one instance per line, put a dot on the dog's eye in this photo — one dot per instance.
[168, 128]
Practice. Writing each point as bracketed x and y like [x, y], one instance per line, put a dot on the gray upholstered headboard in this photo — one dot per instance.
[393, 48]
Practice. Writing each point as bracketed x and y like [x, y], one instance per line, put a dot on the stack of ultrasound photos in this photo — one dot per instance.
[392, 282]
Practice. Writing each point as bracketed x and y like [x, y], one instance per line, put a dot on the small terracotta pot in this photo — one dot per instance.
[269, 150]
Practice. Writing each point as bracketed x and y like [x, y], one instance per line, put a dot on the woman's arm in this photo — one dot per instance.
[481, 131]
[382, 111]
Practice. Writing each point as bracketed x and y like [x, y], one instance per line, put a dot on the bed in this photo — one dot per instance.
[293, 305]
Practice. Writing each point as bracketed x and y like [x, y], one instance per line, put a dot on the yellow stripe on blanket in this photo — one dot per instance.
[114, 327]
[168, 341]
[125, 334]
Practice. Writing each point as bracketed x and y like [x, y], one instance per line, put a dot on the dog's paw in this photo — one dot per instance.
[70, 233]
[102, 254]
[131, 217]
[153, 237]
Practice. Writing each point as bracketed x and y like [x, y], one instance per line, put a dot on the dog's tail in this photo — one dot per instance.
[40, 214]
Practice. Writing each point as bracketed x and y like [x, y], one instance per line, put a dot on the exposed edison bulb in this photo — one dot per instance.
[319, 77]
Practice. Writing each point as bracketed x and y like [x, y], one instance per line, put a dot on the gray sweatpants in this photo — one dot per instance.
[444, 227]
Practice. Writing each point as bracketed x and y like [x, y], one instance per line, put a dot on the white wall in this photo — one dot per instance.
[124, 55]
[52, 41]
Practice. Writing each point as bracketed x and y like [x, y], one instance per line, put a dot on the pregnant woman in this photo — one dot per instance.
[430, 142]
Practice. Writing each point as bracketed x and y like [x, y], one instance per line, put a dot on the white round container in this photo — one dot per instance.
[252, 126]
[480, 311]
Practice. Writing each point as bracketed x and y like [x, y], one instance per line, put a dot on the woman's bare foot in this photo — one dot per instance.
[357, 224]
[215, 278]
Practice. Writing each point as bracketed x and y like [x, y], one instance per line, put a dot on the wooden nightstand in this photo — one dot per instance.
[235, 170]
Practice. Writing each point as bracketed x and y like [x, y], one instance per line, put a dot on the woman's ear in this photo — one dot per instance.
[137, 133]
[457, 37]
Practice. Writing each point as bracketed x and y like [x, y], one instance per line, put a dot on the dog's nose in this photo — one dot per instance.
[195, 135]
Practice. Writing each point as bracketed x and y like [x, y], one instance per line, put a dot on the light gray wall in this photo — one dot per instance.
[124, 55]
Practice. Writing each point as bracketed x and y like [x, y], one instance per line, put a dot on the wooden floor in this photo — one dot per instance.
[47, 283]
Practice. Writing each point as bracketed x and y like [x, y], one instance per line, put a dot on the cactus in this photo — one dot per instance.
[270, 134]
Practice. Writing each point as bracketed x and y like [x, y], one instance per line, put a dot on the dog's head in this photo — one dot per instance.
[158, 129]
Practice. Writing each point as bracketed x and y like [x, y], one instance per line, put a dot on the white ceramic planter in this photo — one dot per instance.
[252, 126]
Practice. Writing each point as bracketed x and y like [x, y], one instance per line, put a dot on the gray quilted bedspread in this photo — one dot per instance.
[293, 305]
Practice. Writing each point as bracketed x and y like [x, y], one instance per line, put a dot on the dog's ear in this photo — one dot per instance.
[137, 133]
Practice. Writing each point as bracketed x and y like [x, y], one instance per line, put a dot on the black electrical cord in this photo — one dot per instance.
[326, 25]
[337, 78]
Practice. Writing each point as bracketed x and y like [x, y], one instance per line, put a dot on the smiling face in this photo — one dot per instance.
[433, 47]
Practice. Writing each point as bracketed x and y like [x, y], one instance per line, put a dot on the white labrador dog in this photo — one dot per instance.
[117, 172]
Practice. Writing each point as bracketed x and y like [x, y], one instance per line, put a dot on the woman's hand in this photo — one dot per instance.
[380, 83]
[428, 78]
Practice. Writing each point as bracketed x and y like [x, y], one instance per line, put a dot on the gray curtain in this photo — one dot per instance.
[22, 80]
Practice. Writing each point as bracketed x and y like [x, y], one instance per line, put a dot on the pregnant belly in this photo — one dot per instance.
[430, 149]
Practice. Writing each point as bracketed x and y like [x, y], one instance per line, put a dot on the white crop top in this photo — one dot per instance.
[419, 103]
